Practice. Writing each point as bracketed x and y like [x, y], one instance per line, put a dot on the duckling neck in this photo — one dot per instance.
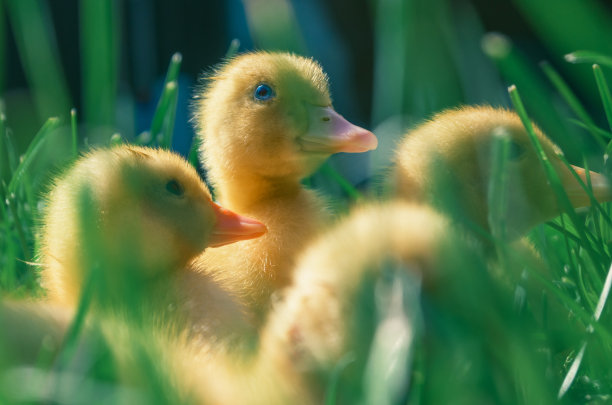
[243, 191]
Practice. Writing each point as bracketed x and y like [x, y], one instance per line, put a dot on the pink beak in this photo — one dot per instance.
[328, 132]
[231, 227]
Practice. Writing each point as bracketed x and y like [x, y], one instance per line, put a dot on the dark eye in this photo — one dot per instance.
[175, 188]
[263, 92]
[516, 151]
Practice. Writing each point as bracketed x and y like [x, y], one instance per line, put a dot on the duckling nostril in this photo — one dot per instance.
[325, 119]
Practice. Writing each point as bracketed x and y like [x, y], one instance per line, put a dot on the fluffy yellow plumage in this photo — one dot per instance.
[138, 215]
[266, 122]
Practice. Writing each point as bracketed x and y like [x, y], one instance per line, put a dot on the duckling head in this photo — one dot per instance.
[271, 115]
[134, 207]
[448, 161]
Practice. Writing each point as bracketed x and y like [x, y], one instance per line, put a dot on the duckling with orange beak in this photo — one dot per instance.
[139, 215]
[450, 157]
[266, 122]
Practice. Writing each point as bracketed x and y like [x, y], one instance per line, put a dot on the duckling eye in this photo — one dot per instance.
[516, 151]
[175, 188]
[263, 92]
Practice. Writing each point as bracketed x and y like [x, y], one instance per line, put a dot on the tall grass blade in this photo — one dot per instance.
[99, 53]
[515, 68]
[74, 133]
[604, 92]
[35, 38]
[31, 152]
[497, 191]
[346, 186]
[589, 57]
[603, 298]
[162, 125]
[233, 48]
[3, 151]
[571, 100]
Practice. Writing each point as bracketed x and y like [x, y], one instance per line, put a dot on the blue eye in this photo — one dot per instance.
[263, 92]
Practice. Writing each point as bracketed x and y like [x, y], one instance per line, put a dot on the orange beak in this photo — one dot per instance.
[231, 227]
[577, 196]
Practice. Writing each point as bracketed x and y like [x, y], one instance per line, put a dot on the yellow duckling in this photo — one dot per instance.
[138, 215]
[455, 146]
[266, 121]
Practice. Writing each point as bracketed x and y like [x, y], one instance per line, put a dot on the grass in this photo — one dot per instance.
[516, 331]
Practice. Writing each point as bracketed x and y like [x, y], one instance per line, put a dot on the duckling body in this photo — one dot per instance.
[124, 223]
[266, 122]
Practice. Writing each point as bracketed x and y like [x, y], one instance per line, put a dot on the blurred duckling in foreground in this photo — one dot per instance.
[320, 321]
[449, 160]
[130, 219]
[266, 122]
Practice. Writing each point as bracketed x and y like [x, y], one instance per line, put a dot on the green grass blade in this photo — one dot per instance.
[3, 152]
[168, 127]
[2, 47]
[497, 188]
[174, 68]
[99, 53]
[602, 132]
[589, 57]
[116, 140]
[31, 152]
[233, 48]
[571, 100]
[346, 186]
[516, 68]
[604, 92]
[74, 133]
[35, 38]
[550, 172]
[162, 124]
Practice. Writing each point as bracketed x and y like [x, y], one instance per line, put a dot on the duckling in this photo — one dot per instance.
[449, 158]
[139, 215]
[265, 121]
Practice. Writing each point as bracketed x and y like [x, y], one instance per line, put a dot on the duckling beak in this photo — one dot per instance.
[577, 196]
[328, 132]
[231, 227]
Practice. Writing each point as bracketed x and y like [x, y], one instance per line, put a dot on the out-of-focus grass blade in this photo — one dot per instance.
[115, 140]
[2, 47]
[160, 128]
[162, 125]
[589, 57]
[572, 100]
[233, 48]
[99, 53]
[74, 133]
[273, 25]
[31, 152]
[348, 188]
[515, 68]
[570, 25]
[3, 152]
[604, 92]
[390, 60]
[35, 38]
[497, 199]
[602, 132]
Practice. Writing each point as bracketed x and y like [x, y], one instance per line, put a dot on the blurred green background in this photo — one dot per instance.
[391, 63]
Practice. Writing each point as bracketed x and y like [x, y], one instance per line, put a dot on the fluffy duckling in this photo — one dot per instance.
[450, 158]
[320, 321]
[139, 215]
[266, 121]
